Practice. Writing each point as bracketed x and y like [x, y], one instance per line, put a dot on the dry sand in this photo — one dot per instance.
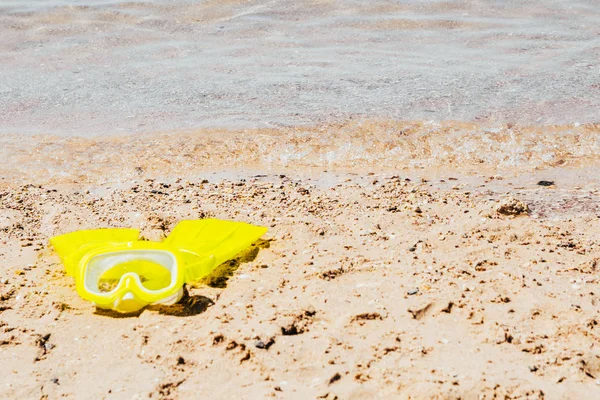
[384, 284]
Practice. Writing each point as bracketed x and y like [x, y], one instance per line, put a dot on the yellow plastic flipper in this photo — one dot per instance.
[209, 242]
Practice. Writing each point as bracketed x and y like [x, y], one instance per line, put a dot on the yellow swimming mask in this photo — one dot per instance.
[115, 270]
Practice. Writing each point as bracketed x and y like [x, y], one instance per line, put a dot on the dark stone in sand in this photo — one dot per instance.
[335, 378]
[545, 183]
[260, 344]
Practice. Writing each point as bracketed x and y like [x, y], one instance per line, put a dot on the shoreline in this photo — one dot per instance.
[353, 146]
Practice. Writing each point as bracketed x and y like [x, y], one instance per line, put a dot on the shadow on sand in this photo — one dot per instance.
[219, 277]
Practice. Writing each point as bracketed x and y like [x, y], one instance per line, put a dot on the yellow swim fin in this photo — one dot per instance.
[71, 247]
[209, 242]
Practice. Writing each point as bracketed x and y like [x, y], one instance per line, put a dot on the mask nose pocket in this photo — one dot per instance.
[128, 303]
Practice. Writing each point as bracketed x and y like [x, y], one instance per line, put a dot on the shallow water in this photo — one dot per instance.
[89, 68]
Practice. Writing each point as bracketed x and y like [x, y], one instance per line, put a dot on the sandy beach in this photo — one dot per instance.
[411, 283]
[428, 173]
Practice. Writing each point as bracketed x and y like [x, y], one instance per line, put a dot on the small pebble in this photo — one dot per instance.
[412, 291]
[545, 183]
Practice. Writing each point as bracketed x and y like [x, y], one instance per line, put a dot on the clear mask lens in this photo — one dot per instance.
[153, 276]
[155, 270]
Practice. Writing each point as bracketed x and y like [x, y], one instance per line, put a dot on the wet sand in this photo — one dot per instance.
[359, 146]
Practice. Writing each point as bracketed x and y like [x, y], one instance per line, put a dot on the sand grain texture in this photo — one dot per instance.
[364, 286]
[428, 171]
